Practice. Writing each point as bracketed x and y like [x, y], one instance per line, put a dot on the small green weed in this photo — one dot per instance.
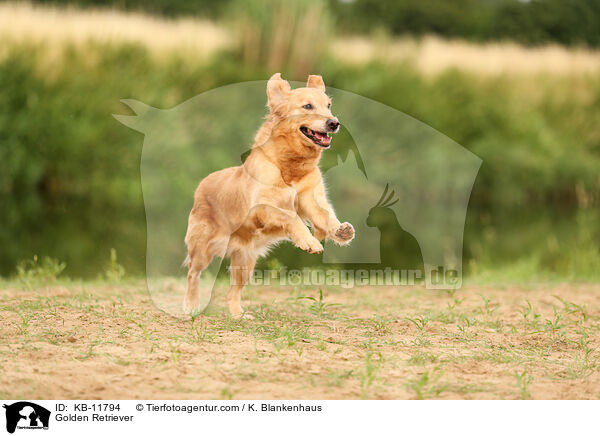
[114, 272]
[426, 385]
[33, 273]
[523, 381]
[319, 306]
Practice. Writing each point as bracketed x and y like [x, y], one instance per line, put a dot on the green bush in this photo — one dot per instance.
[568, 22]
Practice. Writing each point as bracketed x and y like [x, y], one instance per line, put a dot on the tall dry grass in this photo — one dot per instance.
[273, 43]
[281, 36]
[433, 55]
[23, 22]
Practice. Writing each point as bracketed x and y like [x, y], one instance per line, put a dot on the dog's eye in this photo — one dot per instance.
[308, 106]
[329, 106]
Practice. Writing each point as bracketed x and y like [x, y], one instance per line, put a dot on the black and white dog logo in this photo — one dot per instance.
[26, 415]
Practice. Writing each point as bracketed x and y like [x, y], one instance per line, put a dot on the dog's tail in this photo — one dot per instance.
[186, 262]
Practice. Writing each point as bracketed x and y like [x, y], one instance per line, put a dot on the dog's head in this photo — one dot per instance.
[303, 112]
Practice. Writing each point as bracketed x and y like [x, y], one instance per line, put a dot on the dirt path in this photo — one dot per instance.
[99, 341]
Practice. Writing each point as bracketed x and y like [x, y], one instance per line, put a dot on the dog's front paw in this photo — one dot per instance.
[311, 245]
[344, 233]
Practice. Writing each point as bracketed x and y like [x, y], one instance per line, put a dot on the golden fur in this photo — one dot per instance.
[239, 212]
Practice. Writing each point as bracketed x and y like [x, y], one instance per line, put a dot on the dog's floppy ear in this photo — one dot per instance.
[277, 90]
[316, 82]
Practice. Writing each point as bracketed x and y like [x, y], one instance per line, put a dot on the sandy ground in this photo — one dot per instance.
[102, 341]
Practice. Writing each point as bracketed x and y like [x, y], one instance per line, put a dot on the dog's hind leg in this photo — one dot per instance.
[191, 299]
[201, 250]
[242, 266]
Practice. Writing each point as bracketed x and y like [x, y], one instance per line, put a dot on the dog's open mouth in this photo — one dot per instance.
[322, 139]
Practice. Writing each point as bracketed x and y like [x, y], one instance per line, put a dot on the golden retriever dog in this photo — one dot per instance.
[240, 212]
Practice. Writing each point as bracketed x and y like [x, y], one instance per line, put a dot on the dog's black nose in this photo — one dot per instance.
[332, 124]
